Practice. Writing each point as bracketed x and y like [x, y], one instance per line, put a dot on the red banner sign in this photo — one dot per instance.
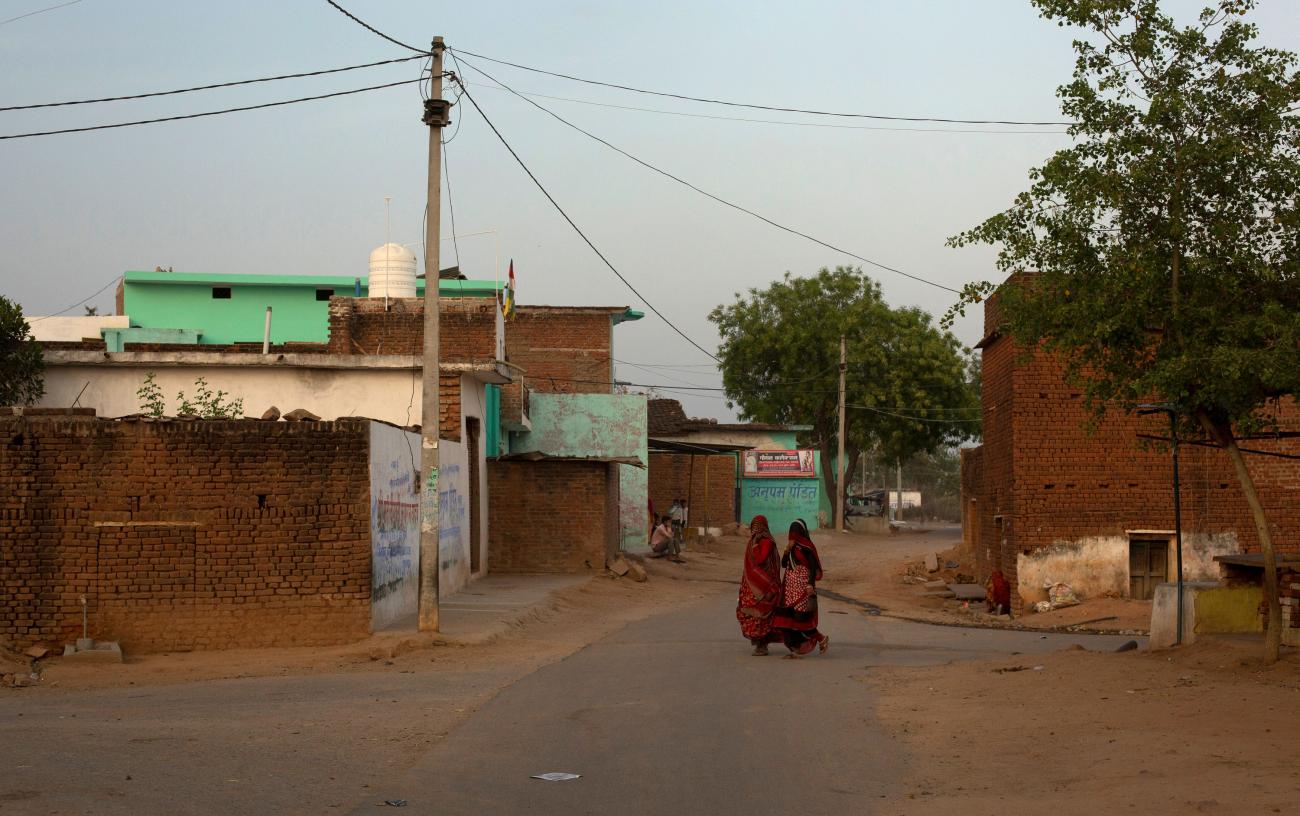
[784, 464]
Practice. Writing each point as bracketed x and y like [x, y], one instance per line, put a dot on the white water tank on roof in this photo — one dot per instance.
[392, 272]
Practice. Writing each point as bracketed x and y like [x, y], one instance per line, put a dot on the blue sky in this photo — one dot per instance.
[300, 189]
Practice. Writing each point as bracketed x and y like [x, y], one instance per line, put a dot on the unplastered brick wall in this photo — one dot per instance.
[467, 327]
[563, 350]
[1050, 472]
[550, 516]
[184, 535]
[709, 486]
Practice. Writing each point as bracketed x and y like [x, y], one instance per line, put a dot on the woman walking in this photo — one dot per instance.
[796, 618]
[760, 587]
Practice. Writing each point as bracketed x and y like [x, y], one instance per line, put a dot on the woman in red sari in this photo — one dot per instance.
[760, 587]
[796, 618]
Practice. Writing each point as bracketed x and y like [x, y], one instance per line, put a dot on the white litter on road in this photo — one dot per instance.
[556, 777]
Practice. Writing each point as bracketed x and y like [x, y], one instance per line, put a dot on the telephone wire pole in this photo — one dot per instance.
[436, 111]
[839, 461]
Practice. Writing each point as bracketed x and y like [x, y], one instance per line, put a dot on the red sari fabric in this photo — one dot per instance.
[760, 583]
[796, 617]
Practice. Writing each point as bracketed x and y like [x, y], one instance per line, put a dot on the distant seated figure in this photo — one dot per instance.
[998, 598]
[662, 540]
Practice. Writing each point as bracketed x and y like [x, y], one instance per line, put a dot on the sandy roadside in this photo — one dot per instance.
[1205, 729]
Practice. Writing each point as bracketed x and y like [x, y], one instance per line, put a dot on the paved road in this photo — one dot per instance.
[673, 716]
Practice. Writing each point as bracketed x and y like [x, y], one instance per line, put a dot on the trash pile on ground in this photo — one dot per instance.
[1059, 596]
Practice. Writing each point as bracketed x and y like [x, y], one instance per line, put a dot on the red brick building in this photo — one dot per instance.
[1046, 498]
[187, 535]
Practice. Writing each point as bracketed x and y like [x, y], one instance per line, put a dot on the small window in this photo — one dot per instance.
[221, 293]
[324, 294]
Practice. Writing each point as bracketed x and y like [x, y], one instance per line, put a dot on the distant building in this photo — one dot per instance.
[697, 459]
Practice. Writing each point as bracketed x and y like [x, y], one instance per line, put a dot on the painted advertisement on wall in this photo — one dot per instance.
[781, 500]
[453, 517]
[779, 464]
[394, 524]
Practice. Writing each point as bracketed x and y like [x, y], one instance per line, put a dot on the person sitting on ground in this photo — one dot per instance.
[662, 540]
[999, 594]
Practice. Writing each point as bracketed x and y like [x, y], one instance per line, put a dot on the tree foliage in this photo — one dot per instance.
[909, 384]
[22, 366]
[1164, 246]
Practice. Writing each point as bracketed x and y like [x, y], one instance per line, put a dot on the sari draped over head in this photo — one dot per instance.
[760, 583]
[796, 617]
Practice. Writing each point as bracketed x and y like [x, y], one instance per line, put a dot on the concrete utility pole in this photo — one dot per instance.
[435, 116]
[898, 512]
[839, 461]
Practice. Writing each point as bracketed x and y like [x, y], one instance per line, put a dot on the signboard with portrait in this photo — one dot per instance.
[780, 464]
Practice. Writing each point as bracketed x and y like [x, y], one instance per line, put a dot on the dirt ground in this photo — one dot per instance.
[873, 568]
[1204, 729]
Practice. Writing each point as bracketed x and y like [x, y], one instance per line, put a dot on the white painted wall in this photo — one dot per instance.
[71, 329]
[383, 394]
[394, 525]
[759, 440]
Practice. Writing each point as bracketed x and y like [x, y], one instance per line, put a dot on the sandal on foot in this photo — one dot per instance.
[825, 644]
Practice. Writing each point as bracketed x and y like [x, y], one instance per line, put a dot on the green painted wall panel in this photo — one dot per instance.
[597, 425]
[176, 300]
[782, 500]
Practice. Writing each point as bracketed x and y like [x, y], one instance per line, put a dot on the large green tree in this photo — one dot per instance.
[909, 383]
[22, 367]
[1165, 244]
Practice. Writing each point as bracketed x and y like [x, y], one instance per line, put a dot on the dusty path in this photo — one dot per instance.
[648, 690]
[671, 715]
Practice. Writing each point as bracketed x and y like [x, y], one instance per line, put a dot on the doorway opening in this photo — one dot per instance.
[475, 514]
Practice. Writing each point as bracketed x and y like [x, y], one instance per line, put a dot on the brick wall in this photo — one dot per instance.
[184, 535]
[671, 478]
[549, 516]
[1048, 472]
[562, 350]
[466, 327]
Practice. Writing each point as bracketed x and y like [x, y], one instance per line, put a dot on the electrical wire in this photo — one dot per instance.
[578, 229]
[374, 30]
[206, 87]
[115, 279]
[908, 416]
[38, 11]
[781, 121]
[208, 113]
[451, 207]
[709, 195]
[764, 107]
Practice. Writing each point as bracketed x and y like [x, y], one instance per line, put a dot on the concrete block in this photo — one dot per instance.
[101, 652]
[1208, 608]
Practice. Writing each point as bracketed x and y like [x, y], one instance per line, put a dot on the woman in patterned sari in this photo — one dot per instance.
[760, 587]
[796, 618]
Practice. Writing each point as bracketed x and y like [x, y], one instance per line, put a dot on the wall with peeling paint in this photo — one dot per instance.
[1098, 566]
[597, 426]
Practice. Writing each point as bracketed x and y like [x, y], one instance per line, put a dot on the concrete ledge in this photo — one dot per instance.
[1208, 608]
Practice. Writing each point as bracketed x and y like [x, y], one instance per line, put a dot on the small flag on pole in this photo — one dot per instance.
[508, 295]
